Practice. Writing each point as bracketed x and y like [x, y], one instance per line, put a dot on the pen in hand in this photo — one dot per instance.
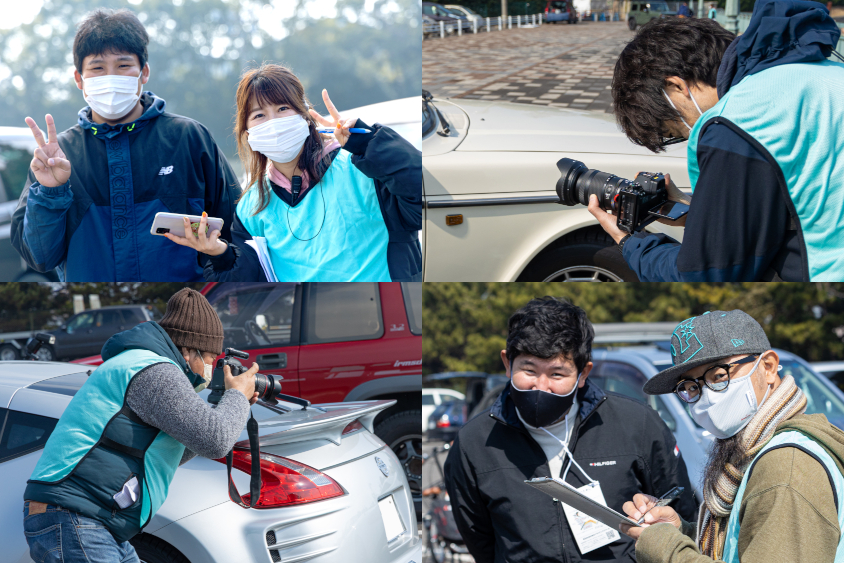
[664, 500]
[351, 130]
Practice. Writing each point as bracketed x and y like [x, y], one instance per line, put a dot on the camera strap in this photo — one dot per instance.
[255, 477]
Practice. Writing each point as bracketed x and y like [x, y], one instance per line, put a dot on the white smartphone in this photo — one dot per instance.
[174, 224]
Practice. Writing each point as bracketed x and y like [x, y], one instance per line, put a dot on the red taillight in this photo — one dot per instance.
[352, 427]
[444, 422]
[285, 482]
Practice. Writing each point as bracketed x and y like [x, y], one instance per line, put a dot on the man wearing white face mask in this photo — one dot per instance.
[773, 484]
[93, 190]
[765, 127]
[553, 421]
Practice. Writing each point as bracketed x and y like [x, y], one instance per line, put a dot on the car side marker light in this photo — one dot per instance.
[453, 220]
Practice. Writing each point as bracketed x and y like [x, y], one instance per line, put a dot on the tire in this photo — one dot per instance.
[402, 432]
[585, 255]
[9, 353]
[631, 24]
[153, 550]
[46, 353]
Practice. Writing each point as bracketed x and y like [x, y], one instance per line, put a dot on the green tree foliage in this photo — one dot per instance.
[466, 323]
[199, 48]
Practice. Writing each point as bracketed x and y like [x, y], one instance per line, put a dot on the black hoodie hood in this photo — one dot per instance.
[149, 336]
[780, 32]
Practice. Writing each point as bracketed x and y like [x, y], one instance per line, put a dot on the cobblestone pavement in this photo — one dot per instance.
[553, 65]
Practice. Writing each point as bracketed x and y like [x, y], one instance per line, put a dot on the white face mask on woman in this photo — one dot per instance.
[207, 370]
[112, 96]
[279, 139]
[678, 111]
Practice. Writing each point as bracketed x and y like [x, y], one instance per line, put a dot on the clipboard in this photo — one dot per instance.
[567, 494]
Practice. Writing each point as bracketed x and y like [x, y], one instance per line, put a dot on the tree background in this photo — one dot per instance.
[362, 51]
[45, 306]
[466, 323]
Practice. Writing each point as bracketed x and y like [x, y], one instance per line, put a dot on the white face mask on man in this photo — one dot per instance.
[279, 139]
[112, 96]
[667, 97]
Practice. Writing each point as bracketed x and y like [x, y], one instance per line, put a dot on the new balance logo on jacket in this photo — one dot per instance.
[165, 170]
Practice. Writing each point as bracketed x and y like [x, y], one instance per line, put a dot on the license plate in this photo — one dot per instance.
[393, 526]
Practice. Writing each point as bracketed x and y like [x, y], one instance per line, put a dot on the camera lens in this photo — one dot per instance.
[577, 183]
[267, 386]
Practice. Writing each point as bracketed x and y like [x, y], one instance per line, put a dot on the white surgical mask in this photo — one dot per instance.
[112, 96]
[207, 370]
[725, 414]
[279, 139]
[678, 111]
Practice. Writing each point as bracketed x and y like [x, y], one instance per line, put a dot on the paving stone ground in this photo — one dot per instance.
[553, 65]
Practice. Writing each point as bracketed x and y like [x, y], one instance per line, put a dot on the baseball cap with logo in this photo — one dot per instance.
[715, 335]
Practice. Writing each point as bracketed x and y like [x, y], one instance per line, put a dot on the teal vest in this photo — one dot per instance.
[796, 113]
[99, 444]
[336, 233]
[837, 481]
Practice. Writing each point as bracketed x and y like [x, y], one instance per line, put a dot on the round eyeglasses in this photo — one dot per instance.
[716, 378]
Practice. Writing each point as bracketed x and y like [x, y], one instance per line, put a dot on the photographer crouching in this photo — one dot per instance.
[108, 464]
[764, 121]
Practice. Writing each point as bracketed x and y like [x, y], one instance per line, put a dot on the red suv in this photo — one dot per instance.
[334, 342]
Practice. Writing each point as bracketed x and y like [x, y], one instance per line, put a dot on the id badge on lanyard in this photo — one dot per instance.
[588, 532]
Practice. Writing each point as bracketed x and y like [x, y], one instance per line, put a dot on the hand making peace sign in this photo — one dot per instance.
[341, 127]
[49, 164]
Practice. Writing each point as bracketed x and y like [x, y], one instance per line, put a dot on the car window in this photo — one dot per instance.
[428, 10]
[624, 379]
[23, 433]
[340, 312]
[255, 316]
[80, 322]
[412, 292]
[558, 5]
[657, 7]
[819, 398]
[64, 384]
[427, 400]
[111, 318]
[14, 166]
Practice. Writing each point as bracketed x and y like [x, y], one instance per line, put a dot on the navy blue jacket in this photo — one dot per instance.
[395, 166]
[739, 226]
[96, 227]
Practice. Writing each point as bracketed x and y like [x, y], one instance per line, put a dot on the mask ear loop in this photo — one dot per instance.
[592, 481]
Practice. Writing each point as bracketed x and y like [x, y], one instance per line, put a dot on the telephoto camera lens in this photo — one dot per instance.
[577, 183]
[267, 386]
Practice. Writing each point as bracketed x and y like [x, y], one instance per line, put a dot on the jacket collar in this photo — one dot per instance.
[504, 409]
[153, 107]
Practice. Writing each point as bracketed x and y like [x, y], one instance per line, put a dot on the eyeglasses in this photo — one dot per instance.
[716, 378]
[666, 141]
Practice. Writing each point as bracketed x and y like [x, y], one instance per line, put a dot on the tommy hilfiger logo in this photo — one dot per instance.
[165, 170]
[601, 463]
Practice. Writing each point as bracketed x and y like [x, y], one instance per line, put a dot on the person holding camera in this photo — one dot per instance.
[764, 121]
[552, 421]
[107, 466]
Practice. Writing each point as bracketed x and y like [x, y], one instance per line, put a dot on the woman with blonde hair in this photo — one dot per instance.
[325, 214]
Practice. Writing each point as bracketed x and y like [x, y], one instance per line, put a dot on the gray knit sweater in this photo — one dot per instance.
[162, 396]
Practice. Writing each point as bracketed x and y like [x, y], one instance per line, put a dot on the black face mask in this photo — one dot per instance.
[542, 408]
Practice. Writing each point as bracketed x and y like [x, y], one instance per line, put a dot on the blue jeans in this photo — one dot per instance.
[62, 536]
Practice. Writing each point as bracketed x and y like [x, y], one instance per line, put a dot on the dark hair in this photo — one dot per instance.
[110, 31]
[690, 48]
[548, 327]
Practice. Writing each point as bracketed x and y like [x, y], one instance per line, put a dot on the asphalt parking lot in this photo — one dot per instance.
[552, 65]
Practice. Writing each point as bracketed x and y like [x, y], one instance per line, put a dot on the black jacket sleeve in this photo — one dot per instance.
[239, 262]
[738, 221]
[222, 189]
[470, 512]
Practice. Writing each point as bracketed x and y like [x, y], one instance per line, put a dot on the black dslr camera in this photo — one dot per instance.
[636, 204]
[267, 386]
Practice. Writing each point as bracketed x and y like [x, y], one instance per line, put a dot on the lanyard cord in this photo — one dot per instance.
[569, 454]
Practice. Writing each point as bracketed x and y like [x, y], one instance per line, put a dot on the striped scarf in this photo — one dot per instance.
[718, 494]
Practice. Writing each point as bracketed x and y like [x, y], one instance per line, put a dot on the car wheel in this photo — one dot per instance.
[631, 24]
[436, 544]
[402, 432]
[588, 255]
[153, 550]
[9, 353]
[46, 353]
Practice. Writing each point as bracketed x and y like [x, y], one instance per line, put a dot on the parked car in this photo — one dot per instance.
[368, 517]
[446, 420]
[834, 371]
[85, 333]
[435, 396]
[491, 210]
[468, 13]
[452, 19]
[16, 147]
[642, 12]
[626, 370]
[334, 342]
[557, 11]
[401, 115]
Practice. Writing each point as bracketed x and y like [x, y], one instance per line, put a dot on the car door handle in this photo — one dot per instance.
[272, 361]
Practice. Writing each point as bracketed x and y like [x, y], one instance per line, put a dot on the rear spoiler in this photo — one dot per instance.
[324, 421]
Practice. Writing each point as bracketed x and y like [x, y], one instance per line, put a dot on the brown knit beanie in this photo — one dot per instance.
[192, 322]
